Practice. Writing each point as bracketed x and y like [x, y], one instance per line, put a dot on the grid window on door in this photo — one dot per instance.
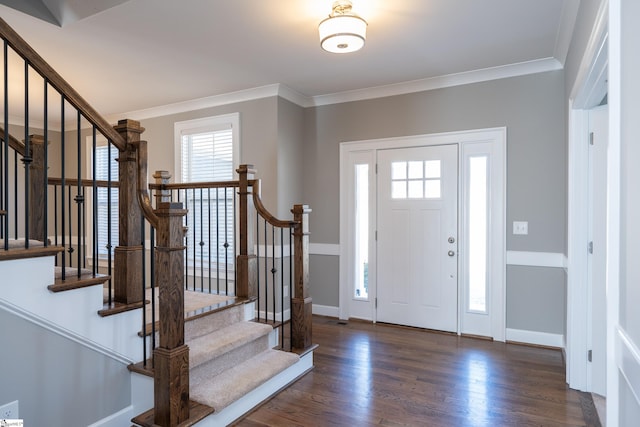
[416, 180]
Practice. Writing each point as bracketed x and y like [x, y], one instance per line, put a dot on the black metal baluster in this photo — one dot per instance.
[226, 242]
[281, 287]
[94, 191]
[290, 286]
[79, 199]
[153, 292]
[109, 228]
[5, 168]
[26, 159]
[63, 238]
[235, 246]
[209, 235]
[258, 262]
[45, 172]
[217, 241]
[266, 271]
[201, 244]
[273, 272]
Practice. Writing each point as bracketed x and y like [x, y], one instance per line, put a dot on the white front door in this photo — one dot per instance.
[417, 237]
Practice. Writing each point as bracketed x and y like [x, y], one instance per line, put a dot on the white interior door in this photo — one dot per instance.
[417, 237]
[596, 330]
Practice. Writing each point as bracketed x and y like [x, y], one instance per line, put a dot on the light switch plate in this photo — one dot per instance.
[521, 227]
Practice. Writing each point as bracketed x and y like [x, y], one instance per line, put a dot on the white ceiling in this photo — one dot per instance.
[131, 55]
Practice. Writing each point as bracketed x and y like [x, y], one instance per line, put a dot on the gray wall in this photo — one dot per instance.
[258, 140]
[57, 381]
[290, 169]
[532, 108]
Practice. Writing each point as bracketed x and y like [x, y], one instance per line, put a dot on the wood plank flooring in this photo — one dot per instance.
[373, 374]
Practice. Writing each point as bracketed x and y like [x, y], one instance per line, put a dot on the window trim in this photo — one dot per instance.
[202, 125]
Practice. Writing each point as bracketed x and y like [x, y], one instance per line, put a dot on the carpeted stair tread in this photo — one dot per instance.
[204, 325]
[218, 391]
[223, 341]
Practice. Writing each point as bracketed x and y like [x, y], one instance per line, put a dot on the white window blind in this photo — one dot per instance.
[105, 162]
[206, 156]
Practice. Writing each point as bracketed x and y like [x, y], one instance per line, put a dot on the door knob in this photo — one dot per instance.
[451, 253]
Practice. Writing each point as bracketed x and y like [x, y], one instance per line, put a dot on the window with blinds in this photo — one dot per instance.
[107, 199]
[206, 155]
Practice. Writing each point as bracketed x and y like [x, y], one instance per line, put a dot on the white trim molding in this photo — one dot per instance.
[628, 361]
[324, 249]
[537, 338]
[537, 259]
[63, 332]
[325, 310]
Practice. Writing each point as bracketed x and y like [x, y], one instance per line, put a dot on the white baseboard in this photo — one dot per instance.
[120, 418]
[537, 259]
[534, 337]
[326, 310]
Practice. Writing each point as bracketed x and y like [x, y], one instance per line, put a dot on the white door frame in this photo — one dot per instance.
[499, 137]
[588, 91]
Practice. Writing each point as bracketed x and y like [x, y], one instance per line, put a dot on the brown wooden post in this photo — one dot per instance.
[37, 189]
[162, 178]
[247, 263]
[301, 303]
[171, 358]
[128, 254]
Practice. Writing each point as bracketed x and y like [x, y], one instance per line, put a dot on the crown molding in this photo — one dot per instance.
[283, 91]
[200, 103]
[458, 79]
[565, 29]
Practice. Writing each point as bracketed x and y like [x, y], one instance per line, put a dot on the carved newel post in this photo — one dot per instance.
[37, 188]
[171, 358]
[128, 253]
[301, 303]
[247, 262]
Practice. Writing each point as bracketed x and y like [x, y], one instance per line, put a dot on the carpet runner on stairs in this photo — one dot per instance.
[229, 357]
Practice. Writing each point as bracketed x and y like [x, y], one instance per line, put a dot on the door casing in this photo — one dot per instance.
[497, 137]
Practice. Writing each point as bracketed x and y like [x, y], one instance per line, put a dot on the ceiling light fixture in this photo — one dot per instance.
[343, 31]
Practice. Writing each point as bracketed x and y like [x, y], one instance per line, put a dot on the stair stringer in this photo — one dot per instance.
[24, 285]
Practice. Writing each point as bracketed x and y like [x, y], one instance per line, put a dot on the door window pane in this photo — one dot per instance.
[415, 170]
[432, 189]
[432, 169]
[399, 170]
[361, 288]
[478, 234]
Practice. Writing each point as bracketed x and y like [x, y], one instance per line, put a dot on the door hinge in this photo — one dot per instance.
[375, 235]
[376, 168]
[591, 138]
[376, 302]
[590, 248]
[590, 355]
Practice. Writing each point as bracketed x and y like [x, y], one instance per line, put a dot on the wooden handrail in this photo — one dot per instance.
[264, 213]
[83, 182]
[194, 185]
[13, 142]
[23, 49]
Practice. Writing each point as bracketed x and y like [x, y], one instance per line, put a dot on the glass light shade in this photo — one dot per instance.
[342, 33]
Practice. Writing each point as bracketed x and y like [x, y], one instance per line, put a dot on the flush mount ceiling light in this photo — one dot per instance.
[343, 31]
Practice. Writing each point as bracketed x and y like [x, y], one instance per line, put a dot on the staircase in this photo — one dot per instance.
[207, 366]
[230, 358]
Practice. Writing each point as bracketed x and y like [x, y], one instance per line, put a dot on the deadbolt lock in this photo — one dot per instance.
[452, 240]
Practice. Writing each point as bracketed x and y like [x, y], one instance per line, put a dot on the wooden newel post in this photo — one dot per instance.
[301, 302]
[37, 188]
[247, 263]
[171, 358]
[128, 253]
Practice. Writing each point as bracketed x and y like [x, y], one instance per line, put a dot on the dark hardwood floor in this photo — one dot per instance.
[368, 374]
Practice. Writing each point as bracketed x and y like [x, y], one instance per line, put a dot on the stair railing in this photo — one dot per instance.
[69, 129]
